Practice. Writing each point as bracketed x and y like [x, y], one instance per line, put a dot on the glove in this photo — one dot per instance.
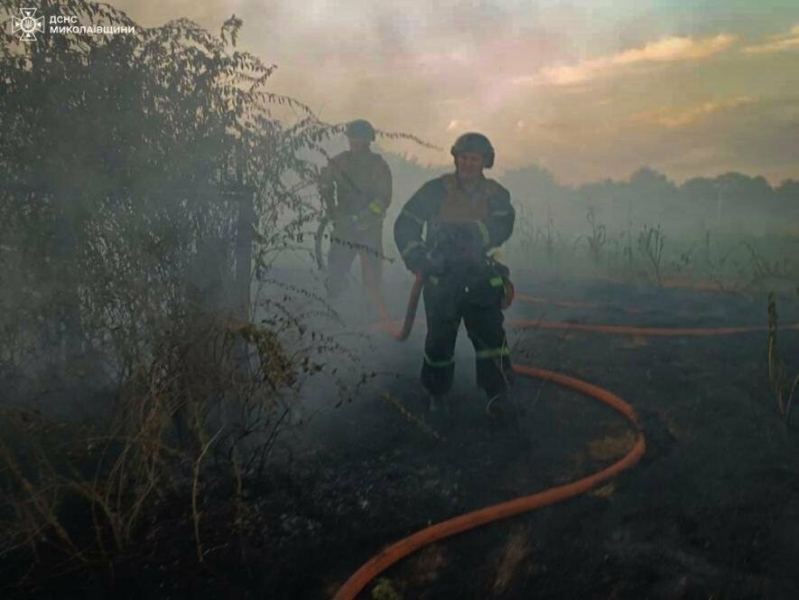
[434, 264]
[428, 263]
[416, 260]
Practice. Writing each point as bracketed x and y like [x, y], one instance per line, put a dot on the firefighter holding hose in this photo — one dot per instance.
[465, 216]
[356, 188]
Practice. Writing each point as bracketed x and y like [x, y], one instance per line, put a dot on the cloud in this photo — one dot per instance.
[437, 69]
[209, 13]
[671, 49]
[778, 43]
[677, 117]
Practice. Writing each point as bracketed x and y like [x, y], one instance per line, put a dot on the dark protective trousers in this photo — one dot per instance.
[447, 301]
[344, 246]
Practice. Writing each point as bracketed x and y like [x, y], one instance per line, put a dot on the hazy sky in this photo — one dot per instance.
[589, 89]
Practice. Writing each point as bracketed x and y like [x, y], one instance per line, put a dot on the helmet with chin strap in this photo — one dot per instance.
[477, 143]
[362, 129]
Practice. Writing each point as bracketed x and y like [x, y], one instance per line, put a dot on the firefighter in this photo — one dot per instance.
[466, 215]
[356, 190]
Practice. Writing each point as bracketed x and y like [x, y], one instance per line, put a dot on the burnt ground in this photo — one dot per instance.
[711, 511]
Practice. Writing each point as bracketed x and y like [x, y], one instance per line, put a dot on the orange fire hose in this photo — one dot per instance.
[399, 550]
[410, 313]
[643, 331]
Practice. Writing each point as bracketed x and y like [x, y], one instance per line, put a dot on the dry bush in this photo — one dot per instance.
[131, 376]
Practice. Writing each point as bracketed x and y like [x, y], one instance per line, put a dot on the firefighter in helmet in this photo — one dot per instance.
[465, 215]
[355, 187]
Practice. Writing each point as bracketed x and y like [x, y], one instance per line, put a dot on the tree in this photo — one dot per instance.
[114, 152]
[123, 159]
[651, 186]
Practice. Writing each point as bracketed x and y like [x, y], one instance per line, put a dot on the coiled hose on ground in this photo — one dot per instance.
[399, 550]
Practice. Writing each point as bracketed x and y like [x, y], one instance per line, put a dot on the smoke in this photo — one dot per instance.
[576, 77]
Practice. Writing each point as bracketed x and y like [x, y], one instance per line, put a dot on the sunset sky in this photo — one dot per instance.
[587, 89]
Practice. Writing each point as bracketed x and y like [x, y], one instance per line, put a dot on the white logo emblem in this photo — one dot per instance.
[28, 25]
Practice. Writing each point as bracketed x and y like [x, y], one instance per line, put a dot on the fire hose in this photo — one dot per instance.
[404, 547]
[399, 550]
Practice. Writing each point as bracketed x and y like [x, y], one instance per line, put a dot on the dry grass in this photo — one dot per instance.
[517, 550]
[212, 388]
[777, 369]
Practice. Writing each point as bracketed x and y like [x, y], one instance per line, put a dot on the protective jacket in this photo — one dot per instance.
[356, 190]
[356, 187]
[462, 283]
[462, 225]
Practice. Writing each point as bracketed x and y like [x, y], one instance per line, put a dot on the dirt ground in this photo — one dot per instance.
[711, 511]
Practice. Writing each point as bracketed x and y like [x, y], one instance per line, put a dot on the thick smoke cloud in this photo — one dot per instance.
[588, 90]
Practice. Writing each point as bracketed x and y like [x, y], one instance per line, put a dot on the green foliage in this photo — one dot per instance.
[127, 165]
[737, 262]
[650, 244]
[114, 165]
[597, 238]
[777, 368]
